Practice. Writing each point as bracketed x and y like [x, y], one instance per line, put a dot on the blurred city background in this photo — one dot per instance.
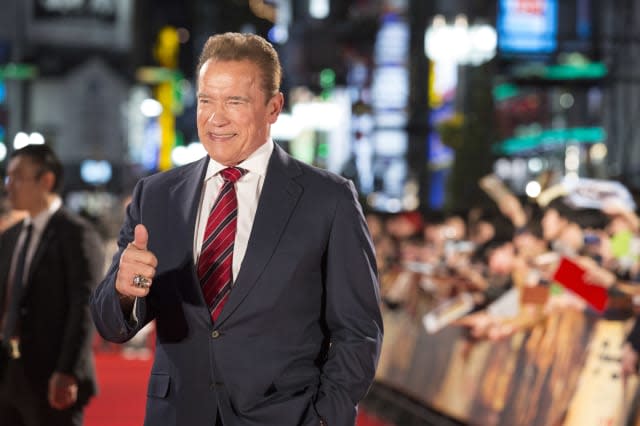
[411, 99]
[414, 100]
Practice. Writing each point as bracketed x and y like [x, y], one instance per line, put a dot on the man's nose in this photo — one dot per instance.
[216, 116]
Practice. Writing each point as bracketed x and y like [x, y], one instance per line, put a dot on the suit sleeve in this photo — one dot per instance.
[107, 314]
[352, 314]
[84, 261]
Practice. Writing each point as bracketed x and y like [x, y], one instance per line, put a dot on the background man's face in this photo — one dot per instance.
[24, 183]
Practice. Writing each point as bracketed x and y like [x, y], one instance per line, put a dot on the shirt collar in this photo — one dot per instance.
[256, 163]
[40, 220]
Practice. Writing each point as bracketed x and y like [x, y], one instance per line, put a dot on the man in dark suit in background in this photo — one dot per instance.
[258, 269]
[49, 264]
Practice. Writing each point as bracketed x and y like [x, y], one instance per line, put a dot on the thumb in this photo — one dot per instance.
[140, 237]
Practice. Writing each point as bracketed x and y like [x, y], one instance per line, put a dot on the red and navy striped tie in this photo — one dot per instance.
[216, 256]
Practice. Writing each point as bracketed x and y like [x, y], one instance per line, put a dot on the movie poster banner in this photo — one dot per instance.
[564, 370]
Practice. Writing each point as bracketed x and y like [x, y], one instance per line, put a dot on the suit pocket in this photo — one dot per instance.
[158, 386]
[293, 386]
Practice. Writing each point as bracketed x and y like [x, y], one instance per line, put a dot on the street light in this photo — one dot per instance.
[460, 43]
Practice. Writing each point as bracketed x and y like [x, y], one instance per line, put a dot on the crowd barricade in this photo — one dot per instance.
[565, 370]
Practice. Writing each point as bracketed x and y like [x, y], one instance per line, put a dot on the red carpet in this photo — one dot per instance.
[123, 388]
[122, 391]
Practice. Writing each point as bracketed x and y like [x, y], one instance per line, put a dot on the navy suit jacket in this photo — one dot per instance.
[299, 337]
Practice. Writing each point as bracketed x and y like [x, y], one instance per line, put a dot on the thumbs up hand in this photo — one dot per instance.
[137, 266]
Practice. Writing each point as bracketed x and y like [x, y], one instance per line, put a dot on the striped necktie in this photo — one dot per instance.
[216, 256]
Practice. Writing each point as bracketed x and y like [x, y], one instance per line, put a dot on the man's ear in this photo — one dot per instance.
[48, 181]
[275, 105]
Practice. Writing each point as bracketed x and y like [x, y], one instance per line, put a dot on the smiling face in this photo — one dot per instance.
[234, 113]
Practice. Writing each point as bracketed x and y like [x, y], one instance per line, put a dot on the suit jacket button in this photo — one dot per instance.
[215, 334]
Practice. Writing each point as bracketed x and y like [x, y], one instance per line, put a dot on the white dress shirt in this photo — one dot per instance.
[248, 189]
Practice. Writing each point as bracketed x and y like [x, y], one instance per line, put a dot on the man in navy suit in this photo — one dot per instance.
[298, 338]
[47, 372]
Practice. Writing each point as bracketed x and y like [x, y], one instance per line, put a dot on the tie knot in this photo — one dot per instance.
[232, 174]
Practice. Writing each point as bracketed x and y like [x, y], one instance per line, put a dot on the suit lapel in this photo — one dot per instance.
[279, 196]
[184, 198]
[185, 195]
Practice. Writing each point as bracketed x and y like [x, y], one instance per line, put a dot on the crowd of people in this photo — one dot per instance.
[498, 268]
